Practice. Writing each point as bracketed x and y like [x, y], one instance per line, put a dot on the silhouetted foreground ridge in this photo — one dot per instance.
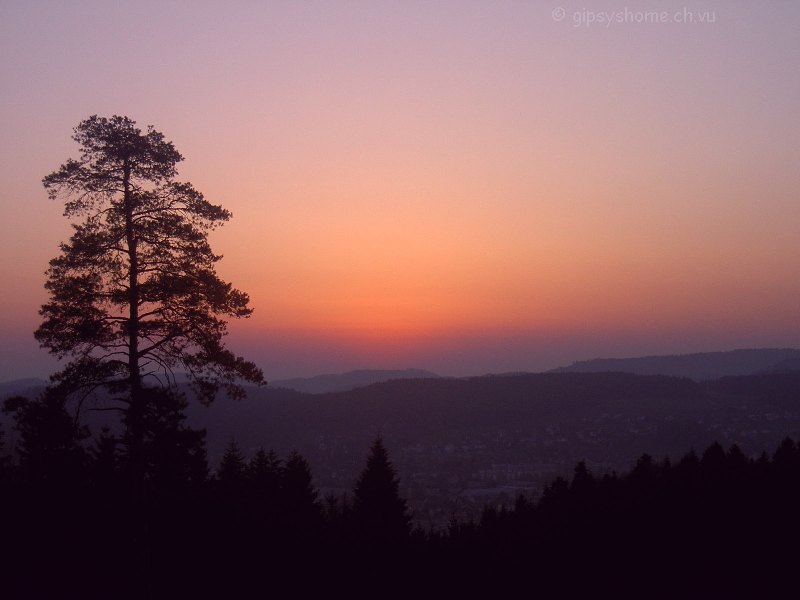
[713, 524]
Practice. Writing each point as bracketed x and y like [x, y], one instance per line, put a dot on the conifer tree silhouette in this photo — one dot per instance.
[231, 471]
[49, 446]
[379, 513]
[582, 480]
[264, 472]
[174, 454]
[301, 509]
[104, 455]
[134, 295]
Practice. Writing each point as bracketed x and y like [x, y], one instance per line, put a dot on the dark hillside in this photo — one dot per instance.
[461, 442]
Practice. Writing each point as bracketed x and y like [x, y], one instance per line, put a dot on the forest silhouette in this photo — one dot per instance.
[709, 524]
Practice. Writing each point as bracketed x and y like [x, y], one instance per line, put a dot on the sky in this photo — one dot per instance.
[467, 187]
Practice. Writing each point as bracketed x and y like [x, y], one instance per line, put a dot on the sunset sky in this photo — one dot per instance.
[466, 187]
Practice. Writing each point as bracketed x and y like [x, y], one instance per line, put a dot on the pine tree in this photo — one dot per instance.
[231, 471]
[174, 454]
[299, 498]
[50, 441]
[134, 296]
[230, 492]
[105, 459]
[264, 474]
[582, 480]
[379, 513]
[787, 456]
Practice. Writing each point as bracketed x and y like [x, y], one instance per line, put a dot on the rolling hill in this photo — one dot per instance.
[700, 366]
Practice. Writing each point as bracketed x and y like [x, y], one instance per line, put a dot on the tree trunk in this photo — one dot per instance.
[136, 407]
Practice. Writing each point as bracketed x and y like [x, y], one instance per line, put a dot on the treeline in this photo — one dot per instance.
[77, 524]
[713, 525]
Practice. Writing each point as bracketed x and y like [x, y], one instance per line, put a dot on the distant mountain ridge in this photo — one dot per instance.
[17, 386]
[344, 382]
[701, 366]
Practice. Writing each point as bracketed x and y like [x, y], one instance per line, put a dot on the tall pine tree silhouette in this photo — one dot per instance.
[379, 513]
[134, 295]
[300, 510]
